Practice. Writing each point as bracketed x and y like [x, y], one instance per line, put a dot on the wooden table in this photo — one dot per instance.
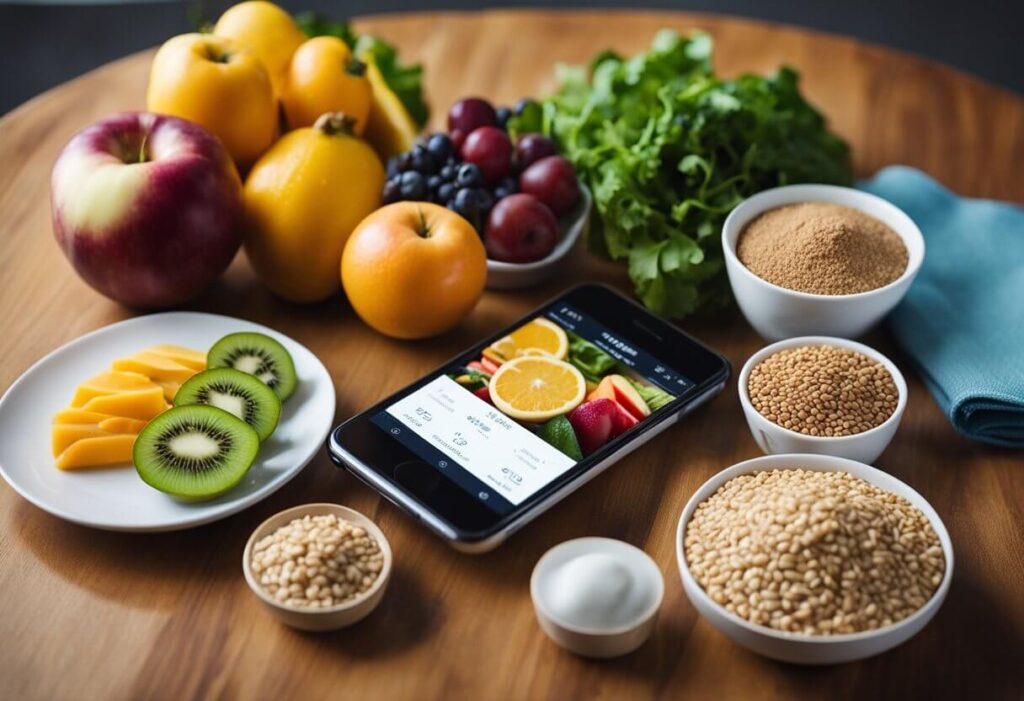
[90, 614]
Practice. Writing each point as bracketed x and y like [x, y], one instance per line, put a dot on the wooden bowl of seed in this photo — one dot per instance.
[318, 567]
[819, 394]
[813, 559]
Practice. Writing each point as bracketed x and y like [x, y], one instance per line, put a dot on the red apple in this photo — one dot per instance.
[592, 422]
[520, 229]
[620, 390]
[622, 421]
[147, 207]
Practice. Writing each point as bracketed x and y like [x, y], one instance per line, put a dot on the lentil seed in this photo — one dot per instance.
[783, 384]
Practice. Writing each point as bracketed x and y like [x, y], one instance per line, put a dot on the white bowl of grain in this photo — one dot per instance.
[312, 537]
[838, 281]
[824, 646]
[863, 445]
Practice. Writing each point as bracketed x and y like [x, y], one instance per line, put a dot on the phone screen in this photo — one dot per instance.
[501, 458]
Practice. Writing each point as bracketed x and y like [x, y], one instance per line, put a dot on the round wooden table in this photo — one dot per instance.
[90, 614]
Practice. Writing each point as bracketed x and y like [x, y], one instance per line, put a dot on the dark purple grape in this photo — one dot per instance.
[413, 185]
[393, 167]
[467, 204]
[511, 184]
[392, 192]
[503, 113]
[402, 162]
[484, 199]
[440, 147]
[421, 159]
[469, 175]
[445, 192]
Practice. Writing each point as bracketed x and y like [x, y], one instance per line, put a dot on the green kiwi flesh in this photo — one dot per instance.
[259, 355]
[195, 452]
[237, 393]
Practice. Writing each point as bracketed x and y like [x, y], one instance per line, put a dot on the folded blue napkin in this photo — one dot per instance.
[962, 322]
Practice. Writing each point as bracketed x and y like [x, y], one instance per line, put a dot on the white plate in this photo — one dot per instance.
[116, 498]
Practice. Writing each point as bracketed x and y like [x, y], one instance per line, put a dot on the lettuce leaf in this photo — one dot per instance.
[668, 149]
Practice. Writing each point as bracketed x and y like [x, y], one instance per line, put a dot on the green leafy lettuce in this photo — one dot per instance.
[668, 149]
[406, 81]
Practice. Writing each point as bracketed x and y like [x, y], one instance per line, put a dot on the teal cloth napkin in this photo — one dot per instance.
[962, 321]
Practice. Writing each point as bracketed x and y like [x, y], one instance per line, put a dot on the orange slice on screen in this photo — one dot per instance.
[539, 336]
[536, 388]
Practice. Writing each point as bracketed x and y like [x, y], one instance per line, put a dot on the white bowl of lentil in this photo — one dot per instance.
[804, 648]
[864, 446]
[319, 618]
[777, 312]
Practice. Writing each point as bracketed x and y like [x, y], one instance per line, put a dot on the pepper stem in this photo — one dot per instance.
[334, 123]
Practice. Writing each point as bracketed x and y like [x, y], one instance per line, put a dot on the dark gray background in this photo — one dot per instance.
[42, 45]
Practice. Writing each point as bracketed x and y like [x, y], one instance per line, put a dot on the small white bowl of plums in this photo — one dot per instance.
[523, 197]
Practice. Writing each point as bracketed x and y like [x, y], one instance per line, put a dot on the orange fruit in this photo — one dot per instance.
[539, 336]
[266, 30]
[413, 269]
[537, 388]
[302, 200]
[325, 77]
[219, 84]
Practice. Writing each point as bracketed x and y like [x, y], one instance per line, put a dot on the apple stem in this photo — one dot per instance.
[143, 153]
[424, 231]
[334, 123]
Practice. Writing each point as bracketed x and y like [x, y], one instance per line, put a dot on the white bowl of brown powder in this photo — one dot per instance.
[819, 260]
[821, 394]
[813, 559]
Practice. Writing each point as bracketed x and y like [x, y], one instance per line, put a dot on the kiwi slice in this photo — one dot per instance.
[237, 393]
[259, 355]
[195, 452]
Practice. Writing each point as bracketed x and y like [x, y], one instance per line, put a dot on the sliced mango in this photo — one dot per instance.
[110, 382]
[141, 404]
[170, 389]
[120, 424]
[159, 368]
[74, 415]
[64, 435]
[183, 356]
[97, 451]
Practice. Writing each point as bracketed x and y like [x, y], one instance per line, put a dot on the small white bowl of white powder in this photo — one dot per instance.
[597, 597]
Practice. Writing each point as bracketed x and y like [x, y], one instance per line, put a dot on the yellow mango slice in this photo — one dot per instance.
[120, 424]
[97, 452]
[170, 389]
[64, 435]
[109, 383]
[182, 356]
[157, 367]
[141, 404]
[74, 415]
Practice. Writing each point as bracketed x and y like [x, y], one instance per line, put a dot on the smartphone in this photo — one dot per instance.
[442, 451]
